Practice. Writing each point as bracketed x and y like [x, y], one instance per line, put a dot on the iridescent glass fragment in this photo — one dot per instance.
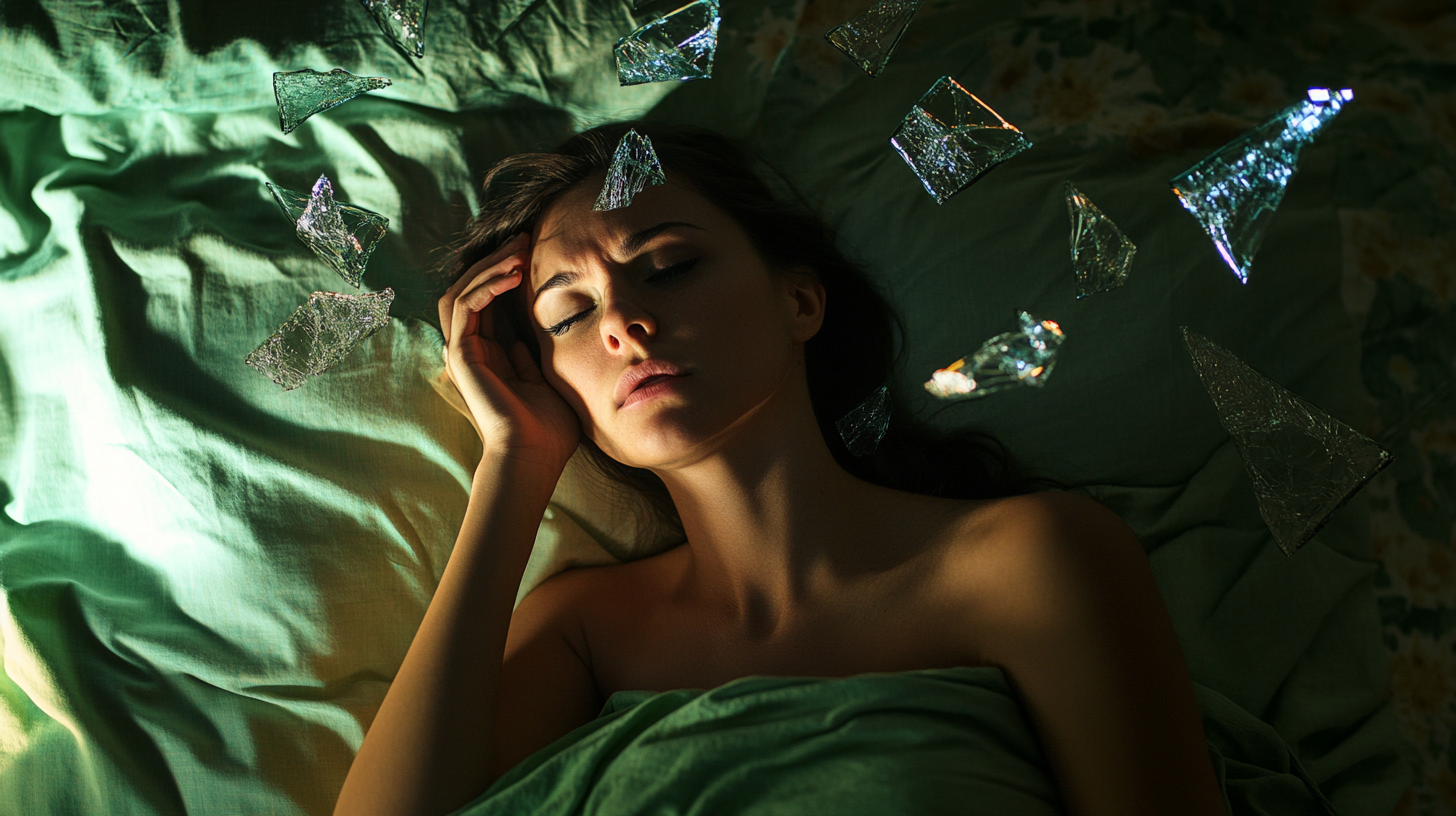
[950, 138]
[677, 46]
[1304, 463]
[1021, 357]
[1235, 190]
[634, 166]
[342, 235]
[319, 334]
[1101, 254]
[869, 39]
[865, 425]
[301, 94]
[402, 21]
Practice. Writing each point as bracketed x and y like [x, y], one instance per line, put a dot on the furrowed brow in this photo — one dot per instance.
[559, 279]
[634, 242]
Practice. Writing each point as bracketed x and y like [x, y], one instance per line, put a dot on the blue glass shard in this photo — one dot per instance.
[864, 426]
[1015, 358]
[301, 94]
[869, 39]
[634, 166]
[1235, 190]
[950, 138]
[319, 334]
[1304, 463]
[677, 46]
[1101, 254]
[402, 21]
[341, 235]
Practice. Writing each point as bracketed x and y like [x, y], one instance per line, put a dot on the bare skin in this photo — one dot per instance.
[791, 566]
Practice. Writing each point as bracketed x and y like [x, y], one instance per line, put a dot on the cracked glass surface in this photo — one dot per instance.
[341, 235]
[1304, 463]
[950, 138]
[634, 166]
[865, 425]
[1101, 254]
[301, 94]
[319, 334]
[1023, 357]
[677, 46]
[402, 21]
[869, 39]
[1236, 189]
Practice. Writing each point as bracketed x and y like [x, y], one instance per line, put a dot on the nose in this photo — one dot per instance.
[625, 325]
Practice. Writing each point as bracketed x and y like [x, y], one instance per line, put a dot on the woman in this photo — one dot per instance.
[691, 342]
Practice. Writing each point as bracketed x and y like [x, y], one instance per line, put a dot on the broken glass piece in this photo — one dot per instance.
[342, 235]
[1235, 190]
[1101, 254]
[950, 138]
[1021, 357]
[680, 46]
[402, 21]
[634, 166]
[319, 334]
[1304, 463]
[864, 426]
[301, 94]
[870, 38]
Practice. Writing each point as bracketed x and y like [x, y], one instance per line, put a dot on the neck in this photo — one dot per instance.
[770, 517]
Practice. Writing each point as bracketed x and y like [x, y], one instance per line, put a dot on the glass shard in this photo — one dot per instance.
[864, 426]
[1101, 254]
[402, 21]
[1304, 463]
[1235, 190]
[342, 235]
[950, 138]
[319, 334]
[301, 94]
[1021, 357]
[869, 39]
[677, 46]
[634, 166]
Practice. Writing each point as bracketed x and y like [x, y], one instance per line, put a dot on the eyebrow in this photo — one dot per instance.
[631, 245]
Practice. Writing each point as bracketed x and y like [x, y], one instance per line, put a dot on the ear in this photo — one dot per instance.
[806, 299]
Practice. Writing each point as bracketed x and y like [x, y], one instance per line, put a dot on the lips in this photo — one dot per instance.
[644, 373]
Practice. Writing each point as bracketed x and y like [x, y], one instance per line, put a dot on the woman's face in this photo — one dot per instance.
[669, 281]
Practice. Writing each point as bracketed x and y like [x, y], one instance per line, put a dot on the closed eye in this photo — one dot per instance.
[664, 274]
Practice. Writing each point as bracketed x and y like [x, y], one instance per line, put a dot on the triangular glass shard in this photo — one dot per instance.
[342, 235]
[950, 138]
[402, 21]
[870, 38]
[301, 94]
[677, 46]
[864, 426]
[1016, 358]
[1304, 463]
[1101, 254]
[319, 334]
[634, 166]
[1235, 190]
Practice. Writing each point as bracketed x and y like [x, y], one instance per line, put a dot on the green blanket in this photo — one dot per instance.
[939, 741]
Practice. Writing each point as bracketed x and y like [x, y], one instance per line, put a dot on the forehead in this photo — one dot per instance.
[570, 233]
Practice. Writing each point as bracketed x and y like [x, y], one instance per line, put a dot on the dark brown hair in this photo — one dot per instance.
[852, 356]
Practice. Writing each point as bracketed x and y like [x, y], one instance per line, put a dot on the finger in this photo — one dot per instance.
[526, 368]
[471, 315]
[446, 304]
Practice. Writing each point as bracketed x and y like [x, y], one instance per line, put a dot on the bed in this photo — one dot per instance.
[206, 583]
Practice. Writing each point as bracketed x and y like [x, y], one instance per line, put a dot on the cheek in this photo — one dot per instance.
[575, 375]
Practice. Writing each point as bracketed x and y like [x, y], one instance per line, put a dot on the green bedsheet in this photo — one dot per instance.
[932, 742]
[206, 584]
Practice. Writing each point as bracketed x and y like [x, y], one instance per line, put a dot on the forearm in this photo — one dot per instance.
[427, 750]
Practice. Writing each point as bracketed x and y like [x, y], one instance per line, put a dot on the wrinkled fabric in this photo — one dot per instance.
[939, 741]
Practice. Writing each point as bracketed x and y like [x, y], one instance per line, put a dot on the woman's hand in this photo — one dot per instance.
[519, 416]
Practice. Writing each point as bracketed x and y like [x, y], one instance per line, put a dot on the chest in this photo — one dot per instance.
[641, 639]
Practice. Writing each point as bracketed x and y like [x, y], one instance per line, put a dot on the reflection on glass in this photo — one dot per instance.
[1304, 463]
[319, 334]
[1015, 358]
[950, 138]
[402, 21]
[864, 426]
[1101, 254]
[301, 94]
[342, 235]
[870, 38]
[677, 46]
[634, 166]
